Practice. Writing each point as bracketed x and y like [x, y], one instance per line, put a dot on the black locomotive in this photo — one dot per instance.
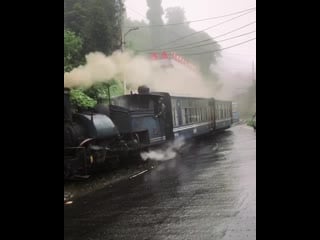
[134, 122]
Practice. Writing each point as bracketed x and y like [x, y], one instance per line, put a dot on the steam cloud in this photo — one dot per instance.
[139, 70]
[163, 155]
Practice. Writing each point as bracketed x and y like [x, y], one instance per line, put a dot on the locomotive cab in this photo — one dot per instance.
[144, 117]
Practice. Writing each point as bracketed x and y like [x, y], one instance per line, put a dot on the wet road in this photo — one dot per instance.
[207, 192]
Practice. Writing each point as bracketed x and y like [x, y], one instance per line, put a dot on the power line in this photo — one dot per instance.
[199, 53]
[217, 42]
[189, 35]
[240, 54]
[209, 39]
[187, 22]
[206, 44]
[223, 34]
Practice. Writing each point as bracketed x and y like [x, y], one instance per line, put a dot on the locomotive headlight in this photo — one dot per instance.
[91, 159]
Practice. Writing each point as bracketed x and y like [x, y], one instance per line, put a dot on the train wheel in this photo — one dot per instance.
[89, 160]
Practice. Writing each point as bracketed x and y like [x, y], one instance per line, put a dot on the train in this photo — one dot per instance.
[132, 123]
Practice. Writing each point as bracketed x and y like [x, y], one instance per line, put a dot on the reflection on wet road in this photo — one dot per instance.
[207, 192]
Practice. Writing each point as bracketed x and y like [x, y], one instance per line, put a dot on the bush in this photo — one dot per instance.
[80, 100]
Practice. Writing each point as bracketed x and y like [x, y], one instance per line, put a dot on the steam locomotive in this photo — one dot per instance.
[135, 122]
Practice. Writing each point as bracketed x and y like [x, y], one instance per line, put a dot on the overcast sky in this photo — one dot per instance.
[199, 9]
[236, 59]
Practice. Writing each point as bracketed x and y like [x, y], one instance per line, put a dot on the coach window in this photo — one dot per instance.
[203, 115]
[176, 116]
[173, 117]
[191, 115]
[212, 112]
[217, 111]
[196, 114]
[183, 116]
[187, 115]
[227, 113]
[222, 111]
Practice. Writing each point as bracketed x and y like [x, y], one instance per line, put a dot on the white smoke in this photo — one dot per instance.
[100, 68]
[162, 155]
[235, 74]
[136, 71]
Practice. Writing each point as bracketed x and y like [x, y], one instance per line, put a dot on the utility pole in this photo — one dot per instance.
[123, 42]
[122, 50]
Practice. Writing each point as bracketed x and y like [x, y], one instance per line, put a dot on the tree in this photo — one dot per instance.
[80, 100]
[72, 48]
[156, 38]
[177, 15]
[98, 22]
[154, 15]
[100, 91]
[93, 25]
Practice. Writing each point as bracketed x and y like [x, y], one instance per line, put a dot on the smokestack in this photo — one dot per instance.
[67, 105]
[143, 89]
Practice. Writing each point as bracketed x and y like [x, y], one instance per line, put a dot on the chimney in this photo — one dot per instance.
[143, 89]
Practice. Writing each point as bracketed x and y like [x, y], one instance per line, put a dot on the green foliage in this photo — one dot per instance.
[88, 98]
[72, 47]
[80, 100]
[98, 22]
[89, 26]
[252, 122]
[100, 91]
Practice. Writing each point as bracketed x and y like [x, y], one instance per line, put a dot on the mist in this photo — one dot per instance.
[238, 77]
[165, 154]
[140, 70]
